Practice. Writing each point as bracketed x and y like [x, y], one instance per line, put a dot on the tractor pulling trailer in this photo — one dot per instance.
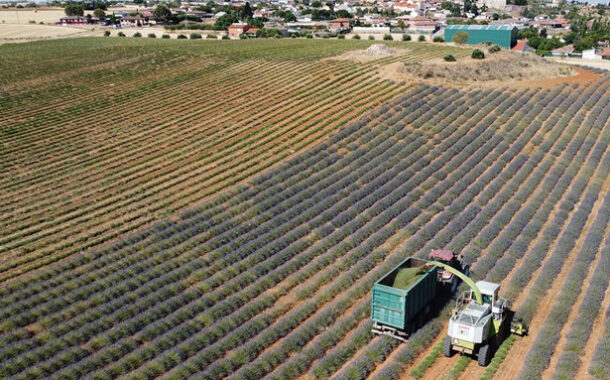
[401, 303]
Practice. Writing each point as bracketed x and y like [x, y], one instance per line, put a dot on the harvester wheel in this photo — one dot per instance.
[484, 356]
[447, 350]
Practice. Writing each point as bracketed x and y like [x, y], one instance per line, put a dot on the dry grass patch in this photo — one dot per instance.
[504, 66]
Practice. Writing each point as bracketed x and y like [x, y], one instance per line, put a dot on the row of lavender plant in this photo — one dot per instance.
[538, 358]
[406, 354]
[449, 181]
[600, 363]
[580, 331]
[441, 235]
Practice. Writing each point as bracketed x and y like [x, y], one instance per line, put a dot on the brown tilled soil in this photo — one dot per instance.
[581, 76]
[473, 371]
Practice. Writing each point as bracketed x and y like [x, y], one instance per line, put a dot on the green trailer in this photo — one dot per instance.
[401, 299]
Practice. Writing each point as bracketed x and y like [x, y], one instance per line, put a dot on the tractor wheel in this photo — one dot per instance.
[484, 356]
[447, 350]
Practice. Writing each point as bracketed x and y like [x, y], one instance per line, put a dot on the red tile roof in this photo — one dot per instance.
[520, 46]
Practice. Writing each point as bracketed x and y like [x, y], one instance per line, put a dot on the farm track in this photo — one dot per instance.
[406, 372]
[297, 212]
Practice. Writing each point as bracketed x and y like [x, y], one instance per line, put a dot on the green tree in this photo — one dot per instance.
[74, 10]
[256, 22]
[99, 13]
[342, 13]
[223, 22]
[286, 15]
[162, 13]
[247, 12]
[460, 37]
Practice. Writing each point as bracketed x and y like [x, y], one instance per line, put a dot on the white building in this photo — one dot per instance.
[590, 54]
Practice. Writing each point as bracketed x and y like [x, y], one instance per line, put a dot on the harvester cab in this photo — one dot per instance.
[477, 326]
[479, 320]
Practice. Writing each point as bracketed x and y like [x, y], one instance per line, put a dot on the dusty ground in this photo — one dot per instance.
[32, 32]
[23, 33]
[598, 64]
[372, 53]
[45, 15]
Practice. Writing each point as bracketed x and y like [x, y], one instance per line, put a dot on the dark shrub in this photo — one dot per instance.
[494, 49]
[477, 54]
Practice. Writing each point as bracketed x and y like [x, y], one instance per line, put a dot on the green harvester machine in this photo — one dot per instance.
[401, 303]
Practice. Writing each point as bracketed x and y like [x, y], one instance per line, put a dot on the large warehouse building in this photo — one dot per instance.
[503, 35]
